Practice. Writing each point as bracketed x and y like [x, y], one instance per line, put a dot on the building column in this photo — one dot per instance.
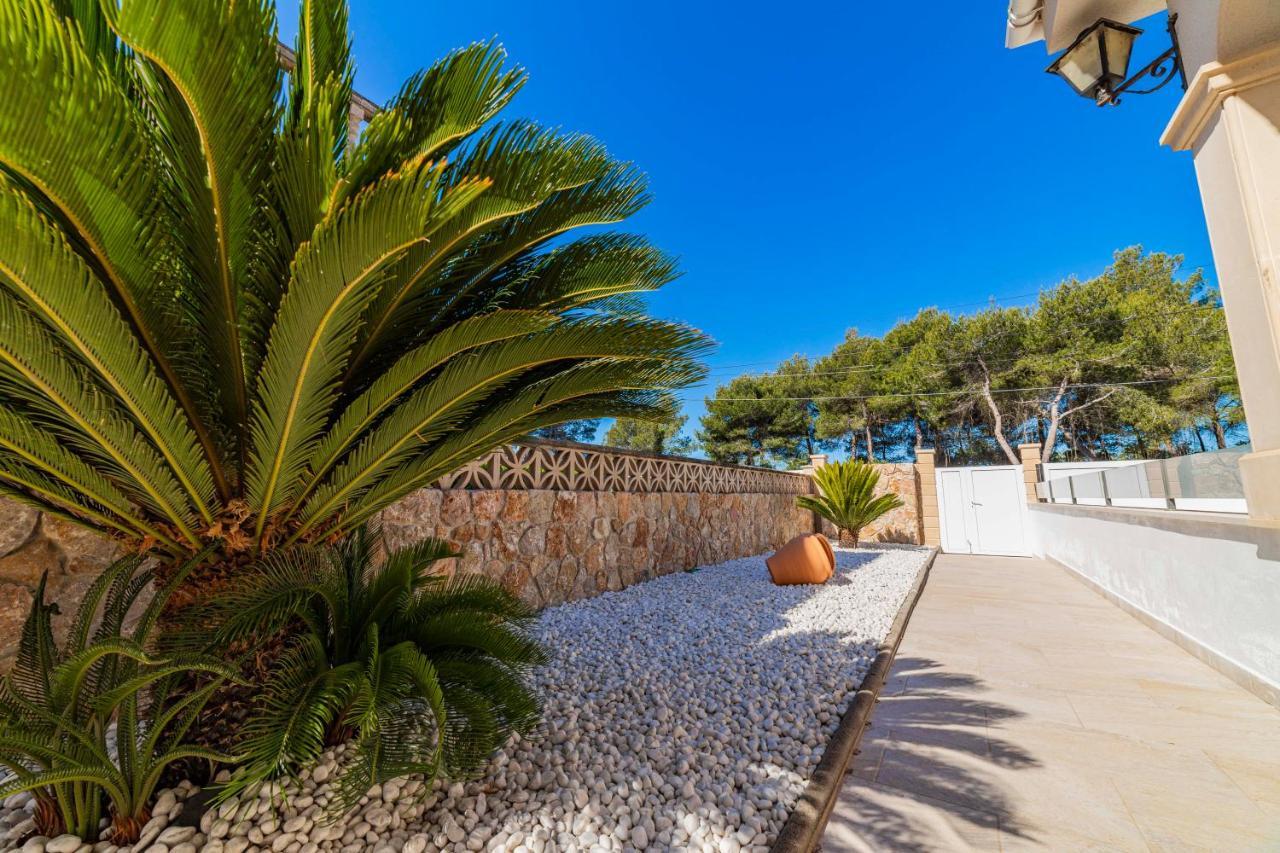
[1230, 120]
[1029, 453]
[927, 485]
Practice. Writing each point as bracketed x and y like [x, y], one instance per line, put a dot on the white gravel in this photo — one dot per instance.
[687, 712]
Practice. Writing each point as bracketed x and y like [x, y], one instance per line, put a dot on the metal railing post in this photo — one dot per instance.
[1164, 480]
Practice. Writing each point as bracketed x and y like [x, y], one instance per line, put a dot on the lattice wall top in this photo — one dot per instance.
[586, 468]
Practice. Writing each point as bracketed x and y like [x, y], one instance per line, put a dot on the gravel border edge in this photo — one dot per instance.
[803, 830]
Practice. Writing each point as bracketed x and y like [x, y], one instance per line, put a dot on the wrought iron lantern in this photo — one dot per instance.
[1096, 64]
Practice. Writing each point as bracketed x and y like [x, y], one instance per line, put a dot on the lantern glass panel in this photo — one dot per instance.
[1119, 46]
[1081, 65]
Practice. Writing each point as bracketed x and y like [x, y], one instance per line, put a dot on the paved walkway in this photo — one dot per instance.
[1025, 711]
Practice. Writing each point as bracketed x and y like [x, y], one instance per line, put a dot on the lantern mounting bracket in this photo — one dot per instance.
[1160, 67]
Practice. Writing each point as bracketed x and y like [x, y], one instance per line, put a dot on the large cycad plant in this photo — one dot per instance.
[221, 318]
[847, 497]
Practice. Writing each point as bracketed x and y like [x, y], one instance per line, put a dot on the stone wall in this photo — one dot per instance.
[554, 522]
[557, 546]
[31, 543]
[902, 524]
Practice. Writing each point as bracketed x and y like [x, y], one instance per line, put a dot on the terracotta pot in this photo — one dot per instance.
[806, 559]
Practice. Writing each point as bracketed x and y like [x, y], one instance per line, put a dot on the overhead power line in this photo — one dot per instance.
[719, 368]
[969, 391]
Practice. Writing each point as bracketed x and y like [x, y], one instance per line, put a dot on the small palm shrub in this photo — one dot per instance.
[422, 673]
[224, 320]
[90, 726]
[848, 498]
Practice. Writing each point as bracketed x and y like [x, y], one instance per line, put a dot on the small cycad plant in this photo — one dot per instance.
[91, 724]
[848, 497]
[417, 671]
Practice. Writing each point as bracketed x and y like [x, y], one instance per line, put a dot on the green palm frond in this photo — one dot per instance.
[433, 111]
[221, 61]
[57, 388]
[56, 285]
[596, 268]
[60, 96]
[412, 367]
[848, 499]
[323, 75]
[334, 278]
[300, 700]
[283, 585]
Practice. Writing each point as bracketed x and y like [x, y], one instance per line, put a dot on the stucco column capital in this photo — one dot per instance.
[1213, 84]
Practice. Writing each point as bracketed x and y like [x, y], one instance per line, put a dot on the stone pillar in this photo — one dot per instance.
[926, 482]
[817, 460]
[1230, 120]
[1029, 453]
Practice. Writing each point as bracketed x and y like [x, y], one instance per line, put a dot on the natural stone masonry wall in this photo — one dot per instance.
[32, 542]
[557, 546]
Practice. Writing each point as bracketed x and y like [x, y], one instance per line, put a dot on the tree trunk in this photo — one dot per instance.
[919, 433]
[1055, 420]
[1219, 434]
[871, 453]
[1200, 438]
[997, 422]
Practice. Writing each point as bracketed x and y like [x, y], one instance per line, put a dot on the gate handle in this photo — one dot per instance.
[975, 503]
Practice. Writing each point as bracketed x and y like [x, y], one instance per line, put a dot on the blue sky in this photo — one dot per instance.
[814, 167]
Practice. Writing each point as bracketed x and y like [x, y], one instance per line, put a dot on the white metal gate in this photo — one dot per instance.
[983, 510]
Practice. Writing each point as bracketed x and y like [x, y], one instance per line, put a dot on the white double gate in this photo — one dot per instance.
[983, 510]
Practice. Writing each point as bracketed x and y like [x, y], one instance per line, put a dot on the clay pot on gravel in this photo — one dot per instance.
[806, 559]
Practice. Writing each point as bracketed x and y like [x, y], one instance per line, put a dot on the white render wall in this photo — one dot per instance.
[1209, 582]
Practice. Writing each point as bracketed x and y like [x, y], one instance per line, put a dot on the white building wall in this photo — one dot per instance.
[1211, 583]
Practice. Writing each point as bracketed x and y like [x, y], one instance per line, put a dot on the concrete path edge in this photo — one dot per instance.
[803, 830]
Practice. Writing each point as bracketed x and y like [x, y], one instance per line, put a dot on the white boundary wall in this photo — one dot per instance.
[1209, 582]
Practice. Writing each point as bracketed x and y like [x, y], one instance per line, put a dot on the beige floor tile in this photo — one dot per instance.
[1001, 721]
[1197, 815]
[877, 817]
[938, 772]
[1257, 775]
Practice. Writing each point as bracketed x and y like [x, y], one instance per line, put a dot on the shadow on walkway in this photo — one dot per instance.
[925, 777]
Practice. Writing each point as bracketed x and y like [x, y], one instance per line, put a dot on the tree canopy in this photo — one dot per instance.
[664, 437]
[1132, 363]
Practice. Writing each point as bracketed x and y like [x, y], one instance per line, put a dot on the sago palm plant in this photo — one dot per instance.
[223, 320]
[421, 672]
[90, 726]
[847, 497]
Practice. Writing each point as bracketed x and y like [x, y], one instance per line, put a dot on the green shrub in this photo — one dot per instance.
[423, 673]
[848, 497]
[62, 706]
[223, 319]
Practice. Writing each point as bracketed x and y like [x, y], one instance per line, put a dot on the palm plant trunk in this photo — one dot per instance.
[48, 817]
[126, 829]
